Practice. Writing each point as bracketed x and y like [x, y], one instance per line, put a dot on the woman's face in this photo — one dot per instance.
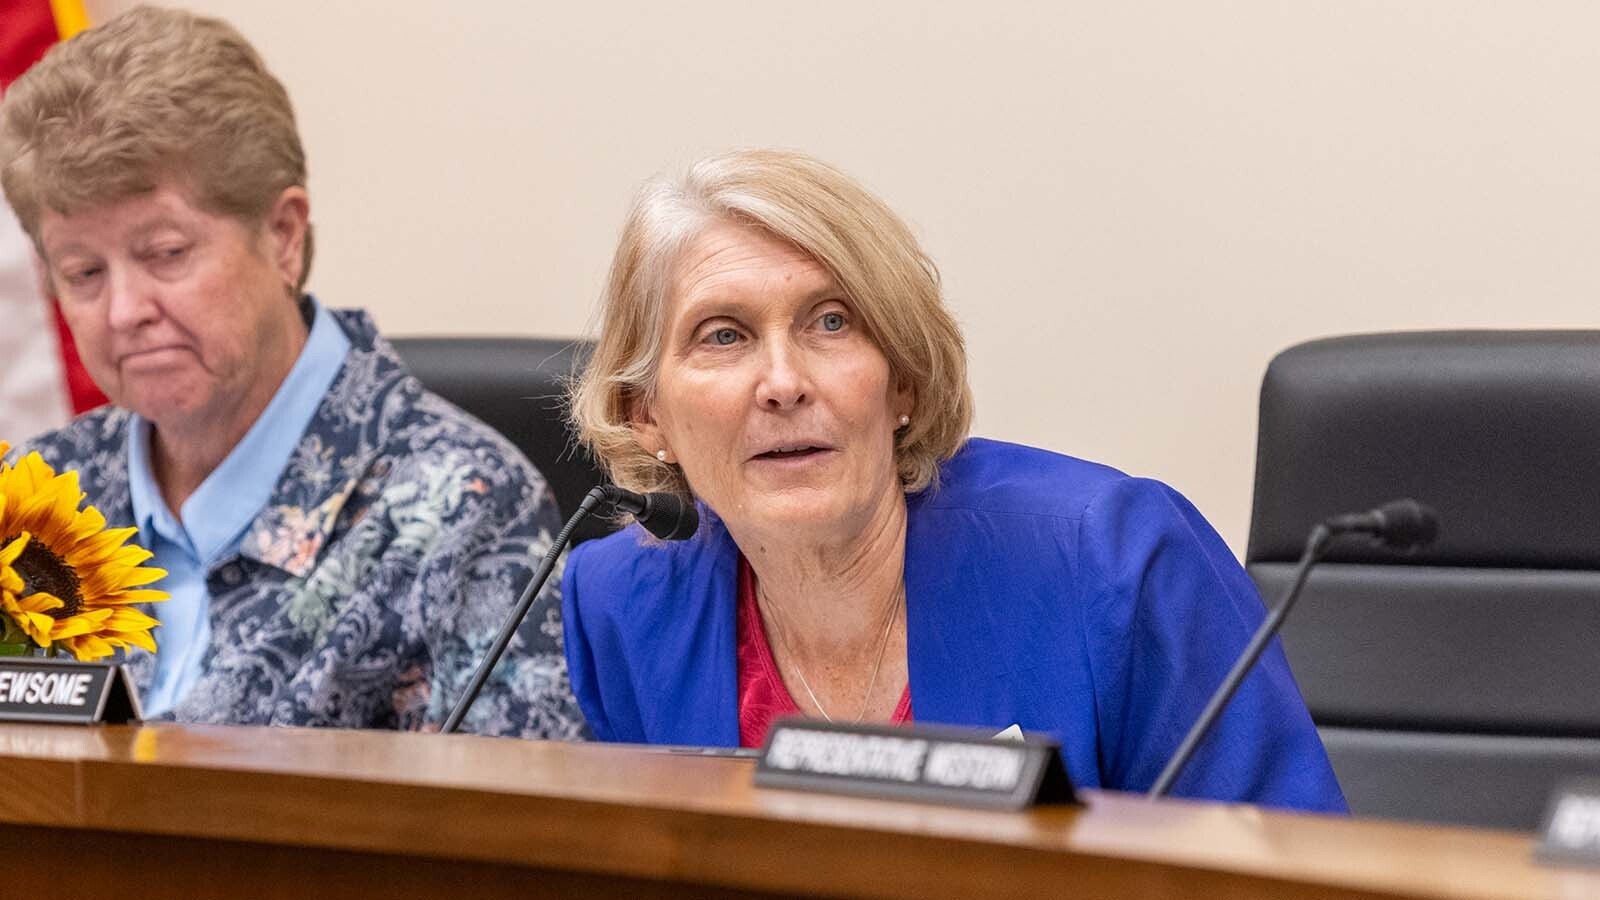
[770, 394]
[180, 314]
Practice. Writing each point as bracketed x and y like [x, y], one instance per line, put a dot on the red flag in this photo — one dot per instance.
[42, 380]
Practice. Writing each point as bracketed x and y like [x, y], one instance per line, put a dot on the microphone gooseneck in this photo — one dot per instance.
[1399, 524]
[667, 516]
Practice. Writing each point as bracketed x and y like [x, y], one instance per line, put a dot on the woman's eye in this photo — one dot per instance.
[832, 321]
[722, 337]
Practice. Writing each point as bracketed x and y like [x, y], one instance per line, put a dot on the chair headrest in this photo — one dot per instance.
[517, 386]
[1498, 431]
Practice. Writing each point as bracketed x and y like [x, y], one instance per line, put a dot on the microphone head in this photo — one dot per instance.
[669, 517]
[1405, 525]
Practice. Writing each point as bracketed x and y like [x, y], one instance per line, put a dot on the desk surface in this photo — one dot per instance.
[610, 812]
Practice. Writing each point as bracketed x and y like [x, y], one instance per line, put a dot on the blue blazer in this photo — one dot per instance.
[1041, 590]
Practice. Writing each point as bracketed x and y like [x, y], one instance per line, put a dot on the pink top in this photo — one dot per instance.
[763, 697]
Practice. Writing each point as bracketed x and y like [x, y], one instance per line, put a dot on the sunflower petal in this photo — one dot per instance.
[36, 626]
[137, 595]
[94, 519]
[9, 554]
[136, 577]
[98, 548]
[131, 555]
[89, 647]
[40, 601]
[83, 623]
[139, 639]
[30, 473]
[123, 620]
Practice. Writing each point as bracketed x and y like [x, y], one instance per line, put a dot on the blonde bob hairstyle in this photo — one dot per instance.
[891, 284]
[151, 97]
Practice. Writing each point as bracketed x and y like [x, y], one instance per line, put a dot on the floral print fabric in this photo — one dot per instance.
[364, 594]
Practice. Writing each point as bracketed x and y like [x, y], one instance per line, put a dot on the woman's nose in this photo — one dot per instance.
[785, 382]
[131, 302]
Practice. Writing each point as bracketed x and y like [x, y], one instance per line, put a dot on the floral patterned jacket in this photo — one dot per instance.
[394, 546]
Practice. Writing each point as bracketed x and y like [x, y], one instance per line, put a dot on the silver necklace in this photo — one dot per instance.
[883, 644]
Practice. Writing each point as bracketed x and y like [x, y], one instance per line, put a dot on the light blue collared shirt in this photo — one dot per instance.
[216, 516]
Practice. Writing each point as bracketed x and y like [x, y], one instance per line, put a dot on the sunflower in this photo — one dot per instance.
[62, 563]
[30, 615]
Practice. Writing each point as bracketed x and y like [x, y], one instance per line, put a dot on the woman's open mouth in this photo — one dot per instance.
[794, 457]
[797, 451]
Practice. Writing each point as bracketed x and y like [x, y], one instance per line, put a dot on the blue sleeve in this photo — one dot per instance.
[595, 585]
[580, 654]
[1169, 610]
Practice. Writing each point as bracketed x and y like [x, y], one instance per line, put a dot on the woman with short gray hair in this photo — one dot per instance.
[340, 543]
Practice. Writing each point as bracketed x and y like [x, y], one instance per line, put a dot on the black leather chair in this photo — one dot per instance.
[516, 385]
[1462, 683]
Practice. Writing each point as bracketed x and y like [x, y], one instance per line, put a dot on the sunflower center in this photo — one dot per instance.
[42, 570]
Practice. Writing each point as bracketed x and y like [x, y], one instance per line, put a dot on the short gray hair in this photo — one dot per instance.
[150, 96]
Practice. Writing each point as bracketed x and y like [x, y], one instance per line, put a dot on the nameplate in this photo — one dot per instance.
[36, 689]
[929, 764]
[1571, 830]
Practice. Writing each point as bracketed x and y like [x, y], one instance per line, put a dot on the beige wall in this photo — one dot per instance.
[1134, 204]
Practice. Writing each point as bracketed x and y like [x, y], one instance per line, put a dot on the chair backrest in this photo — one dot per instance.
[1461, 683]
[516, 385]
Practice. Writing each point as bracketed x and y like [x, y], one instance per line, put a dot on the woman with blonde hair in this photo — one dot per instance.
[775, 344]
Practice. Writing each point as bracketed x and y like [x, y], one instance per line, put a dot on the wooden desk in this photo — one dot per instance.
[198, 812]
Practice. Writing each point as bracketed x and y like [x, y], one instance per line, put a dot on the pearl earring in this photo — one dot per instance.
[904, 421]
[661, 455]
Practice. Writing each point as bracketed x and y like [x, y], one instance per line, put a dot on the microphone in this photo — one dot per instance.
[1399, 525]
[667, 516]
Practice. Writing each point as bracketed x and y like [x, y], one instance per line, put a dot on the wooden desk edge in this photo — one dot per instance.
[783, 843]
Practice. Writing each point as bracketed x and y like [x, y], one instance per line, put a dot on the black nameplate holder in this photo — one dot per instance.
[40, 689]
[1571, 832]
[923, 763]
